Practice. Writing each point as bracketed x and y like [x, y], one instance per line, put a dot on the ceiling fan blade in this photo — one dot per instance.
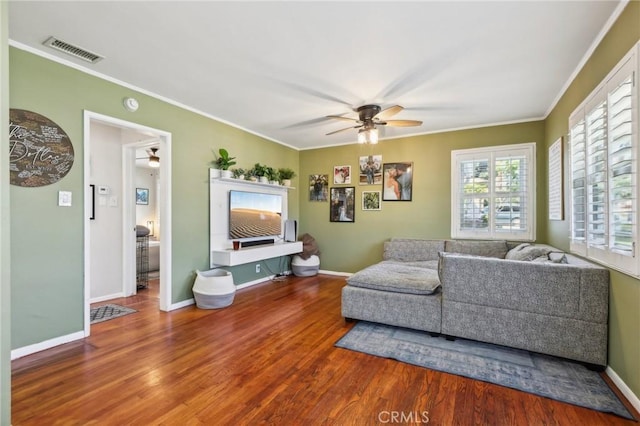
[389, 112]
[339, 117]
[342, 130]
[403, 123]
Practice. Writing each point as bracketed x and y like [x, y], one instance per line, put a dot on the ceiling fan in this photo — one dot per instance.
[154, 160]
[370, 116]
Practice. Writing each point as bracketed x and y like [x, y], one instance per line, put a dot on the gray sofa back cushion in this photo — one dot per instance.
[497, 249]
[396, 277]
[410, 250]
[562, 290]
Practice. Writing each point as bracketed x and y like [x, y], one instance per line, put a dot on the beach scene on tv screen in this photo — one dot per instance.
[254, 215]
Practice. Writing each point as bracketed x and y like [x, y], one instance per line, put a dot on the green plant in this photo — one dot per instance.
[237, 172]
[273, 174]
[223, 160]
[286, 173]
[260, 170]
[250, 174]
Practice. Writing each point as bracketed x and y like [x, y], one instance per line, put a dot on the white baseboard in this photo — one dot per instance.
[340, 274]
[182, 304]
[107, 297]
[254, 282]
[47, 344]
[626, 391]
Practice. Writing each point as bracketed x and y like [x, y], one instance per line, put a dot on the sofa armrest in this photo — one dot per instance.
[562, 290]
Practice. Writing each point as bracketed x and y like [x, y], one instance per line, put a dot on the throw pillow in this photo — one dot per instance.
[558, 257]
[527, 252]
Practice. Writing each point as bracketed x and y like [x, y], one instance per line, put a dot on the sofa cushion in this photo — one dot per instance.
[396, 277]
[412, 250]
[429, 264]
[496, 249]
[528, 252]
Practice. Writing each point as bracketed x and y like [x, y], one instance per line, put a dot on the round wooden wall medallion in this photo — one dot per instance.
[40, 151]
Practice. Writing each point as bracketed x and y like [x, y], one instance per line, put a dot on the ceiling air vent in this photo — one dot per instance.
[72, 50]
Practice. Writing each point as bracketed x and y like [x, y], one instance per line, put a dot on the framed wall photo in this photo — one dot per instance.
[371, 200]
[142, 196]
[397, 182]
[318, 187]
[370, 170]
[341, 175]
[342, 208]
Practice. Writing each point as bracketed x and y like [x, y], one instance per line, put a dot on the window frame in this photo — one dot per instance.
[490, 153]
[605, 253]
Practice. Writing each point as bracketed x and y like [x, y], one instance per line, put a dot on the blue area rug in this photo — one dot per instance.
[538, 374]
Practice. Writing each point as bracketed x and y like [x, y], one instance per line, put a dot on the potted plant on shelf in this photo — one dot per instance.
[223, 161]
[238, 173]
[250, 174]
[274, 176]
[261, 172]
[286, 174]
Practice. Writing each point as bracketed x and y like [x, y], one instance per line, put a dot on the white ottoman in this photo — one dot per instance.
[305, 268]
[213, 289]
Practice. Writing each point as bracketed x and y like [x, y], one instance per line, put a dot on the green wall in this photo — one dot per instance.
[347, 247]
[47, 243]
[624, 308]
[5, 278]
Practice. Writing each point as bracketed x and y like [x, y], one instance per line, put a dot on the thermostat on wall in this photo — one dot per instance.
[103, 190]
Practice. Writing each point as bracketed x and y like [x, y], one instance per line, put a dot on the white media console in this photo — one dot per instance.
[230, 257]
[222, 253]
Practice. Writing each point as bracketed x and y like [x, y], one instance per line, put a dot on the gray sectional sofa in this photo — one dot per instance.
[527, 296]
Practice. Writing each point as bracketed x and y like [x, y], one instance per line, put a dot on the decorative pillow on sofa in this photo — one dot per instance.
[558, 257]
[496, 249]
[528, 252]
[553, 257]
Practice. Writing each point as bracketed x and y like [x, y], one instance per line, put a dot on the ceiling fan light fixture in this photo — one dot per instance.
[368, 135]
[154, 161]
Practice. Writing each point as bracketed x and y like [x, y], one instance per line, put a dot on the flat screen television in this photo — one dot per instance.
[253, 215]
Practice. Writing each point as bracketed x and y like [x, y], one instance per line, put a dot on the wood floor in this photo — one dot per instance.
[267, 359]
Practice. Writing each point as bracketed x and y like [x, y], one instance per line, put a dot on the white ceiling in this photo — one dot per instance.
[277, 69]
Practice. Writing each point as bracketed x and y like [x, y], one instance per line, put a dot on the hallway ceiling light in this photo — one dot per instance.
[154, 160]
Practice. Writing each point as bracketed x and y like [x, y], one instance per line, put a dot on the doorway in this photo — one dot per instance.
[110, 203]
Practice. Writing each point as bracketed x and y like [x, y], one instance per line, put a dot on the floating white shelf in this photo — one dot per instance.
[249, 183]
[230, 257]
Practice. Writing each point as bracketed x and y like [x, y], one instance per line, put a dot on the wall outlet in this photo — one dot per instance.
[258, 268]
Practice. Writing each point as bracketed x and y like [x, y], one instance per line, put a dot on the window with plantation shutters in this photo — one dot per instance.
[604, 175]
[493, 192]
[578, 182]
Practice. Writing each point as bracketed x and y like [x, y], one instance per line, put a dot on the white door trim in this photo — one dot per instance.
[128, 207]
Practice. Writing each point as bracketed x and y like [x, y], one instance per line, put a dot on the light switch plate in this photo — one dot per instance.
[64, 198]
